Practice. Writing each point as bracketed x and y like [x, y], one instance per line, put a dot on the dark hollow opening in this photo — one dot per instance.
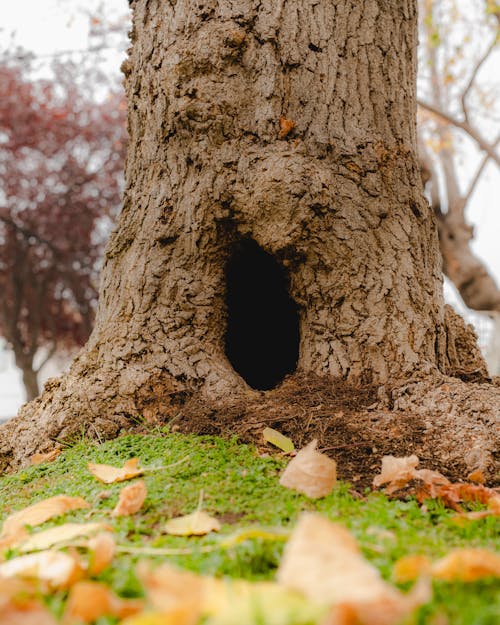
[262, 336]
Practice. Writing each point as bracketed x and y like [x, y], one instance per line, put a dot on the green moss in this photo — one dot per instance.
[242, 489]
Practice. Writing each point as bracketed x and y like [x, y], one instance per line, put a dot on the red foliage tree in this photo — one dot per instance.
[61, 162]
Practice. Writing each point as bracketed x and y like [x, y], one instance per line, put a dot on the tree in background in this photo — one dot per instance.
[459, 112]
[62, 145]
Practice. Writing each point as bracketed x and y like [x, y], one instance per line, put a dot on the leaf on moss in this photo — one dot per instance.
[109, 475]
[59, 535]
[278, 440]
[89, 600]
[102, 551]
[131, 499]
[311, 473]
[57, 569]
[463, 565]
[323, 561]
[40, 512]
[48, 457]
[197, 523]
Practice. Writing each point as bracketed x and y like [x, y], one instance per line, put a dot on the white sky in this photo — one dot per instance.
[47, 26]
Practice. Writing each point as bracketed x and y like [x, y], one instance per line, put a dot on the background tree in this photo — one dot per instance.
[280, 137]
[459, 113]
[61, 158]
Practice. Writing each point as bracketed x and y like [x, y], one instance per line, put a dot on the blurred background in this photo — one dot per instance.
[62, 149]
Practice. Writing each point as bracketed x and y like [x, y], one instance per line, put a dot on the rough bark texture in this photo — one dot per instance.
[292, 123]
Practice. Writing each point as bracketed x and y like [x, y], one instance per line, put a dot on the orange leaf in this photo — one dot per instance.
[102, 551]
[467, 565]
[57, 569]
[48, 457]
[40, 512]
[108, 474]
[131, 499]
[88, 601]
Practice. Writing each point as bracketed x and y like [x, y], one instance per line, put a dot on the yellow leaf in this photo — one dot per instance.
[131, 499]
[197, 523]
[58, 535]
[310, 472]
[410, 568]
[41, 511]
[88, 601]
[57, 569]
[278, 440]
[108, 474]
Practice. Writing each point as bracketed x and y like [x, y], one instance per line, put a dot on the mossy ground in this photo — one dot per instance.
[241, 488]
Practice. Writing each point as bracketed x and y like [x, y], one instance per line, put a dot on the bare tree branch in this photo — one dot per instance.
[473, 76]
[466, 127]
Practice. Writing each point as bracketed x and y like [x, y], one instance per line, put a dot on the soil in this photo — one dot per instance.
[356, 426]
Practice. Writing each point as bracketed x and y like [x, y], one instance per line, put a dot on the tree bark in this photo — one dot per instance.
[291, 125]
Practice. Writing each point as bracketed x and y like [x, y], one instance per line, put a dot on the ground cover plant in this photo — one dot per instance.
[238, 485]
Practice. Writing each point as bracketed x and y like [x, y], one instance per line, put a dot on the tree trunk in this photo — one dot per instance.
[274, 219]
[30, 382]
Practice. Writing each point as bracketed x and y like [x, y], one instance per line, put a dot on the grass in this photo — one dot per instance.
[241, 488]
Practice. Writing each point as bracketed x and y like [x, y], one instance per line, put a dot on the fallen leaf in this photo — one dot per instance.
[492, 510]
[477, 476]
[48, 457]
[467, 565]
[197, 523]
[278, 440]
[131, 499]
[464, 565]
[58, 535]
[323, 561]
[40, 512]
[102, 551]
[310, 472]
[286, 127]
[396, 472]
[108, 474]
[173, 592]
[24, 611]
[410, 568]
[88, 601]
[57, 569]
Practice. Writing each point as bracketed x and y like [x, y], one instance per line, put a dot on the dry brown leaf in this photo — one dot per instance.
[310, 472]
[102, 551]
[48, 457]
[396, 472]
[467, 565]
[88, 601]
[40, 512]
[131, 499]
[57, 569]
[109, 475]
[286, 127]
[322, 561]
[174, 593]
[60, 534]
[197, 523]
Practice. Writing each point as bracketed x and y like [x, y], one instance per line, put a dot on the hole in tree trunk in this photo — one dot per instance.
[262, 336]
